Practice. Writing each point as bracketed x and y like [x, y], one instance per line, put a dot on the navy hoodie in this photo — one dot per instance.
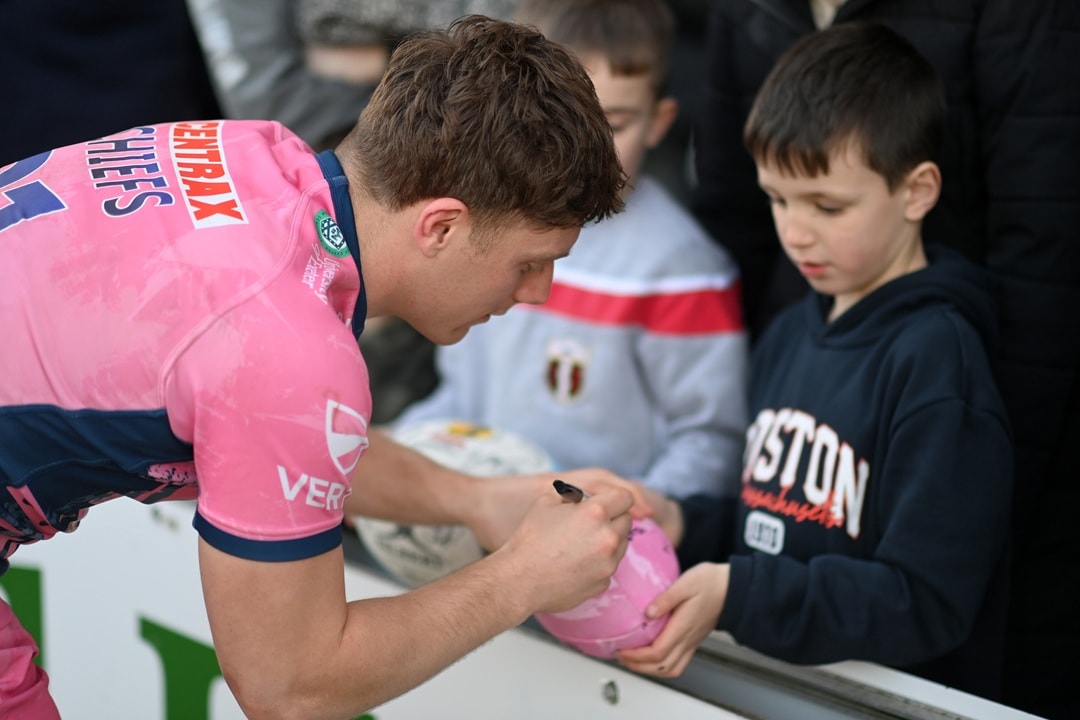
[873, 515]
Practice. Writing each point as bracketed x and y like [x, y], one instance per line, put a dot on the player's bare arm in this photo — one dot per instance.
[394, 482]
[291, 646]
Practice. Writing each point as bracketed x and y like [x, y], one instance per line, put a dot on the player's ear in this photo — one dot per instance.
[664, 114]
[922, 187]
[438, 222]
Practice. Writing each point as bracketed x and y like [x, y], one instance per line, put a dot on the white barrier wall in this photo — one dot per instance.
[118, 611]
[118, 608]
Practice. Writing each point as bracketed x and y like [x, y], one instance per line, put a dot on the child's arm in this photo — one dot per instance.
[695, 367]
[944, 515]
[698, 385]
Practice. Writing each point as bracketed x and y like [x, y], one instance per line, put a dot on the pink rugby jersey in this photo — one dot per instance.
[179, 310]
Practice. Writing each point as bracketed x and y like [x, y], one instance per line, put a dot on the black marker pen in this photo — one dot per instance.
[568, 492]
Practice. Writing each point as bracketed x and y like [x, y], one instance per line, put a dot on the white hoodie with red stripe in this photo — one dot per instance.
[636, 363]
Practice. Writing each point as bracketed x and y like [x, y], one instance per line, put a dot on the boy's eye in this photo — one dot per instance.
[776, 201]
[828, 209]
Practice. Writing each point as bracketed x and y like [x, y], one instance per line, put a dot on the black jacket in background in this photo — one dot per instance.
[76, 70]
[1010, 201]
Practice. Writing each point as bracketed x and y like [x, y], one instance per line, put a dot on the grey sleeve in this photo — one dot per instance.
[699, 389]
[256, 61]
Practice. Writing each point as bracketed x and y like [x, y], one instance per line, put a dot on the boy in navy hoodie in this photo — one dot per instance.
[874, 509]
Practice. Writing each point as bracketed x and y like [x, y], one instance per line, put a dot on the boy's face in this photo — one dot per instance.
[844, 230]
[638, 120]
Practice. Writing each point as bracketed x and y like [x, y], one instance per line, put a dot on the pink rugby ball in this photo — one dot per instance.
[615, 619]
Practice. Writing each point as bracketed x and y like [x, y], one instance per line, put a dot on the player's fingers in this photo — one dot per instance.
[596, 480]
[641, 508]
[615, 502]
[621, 527]
[647, 499]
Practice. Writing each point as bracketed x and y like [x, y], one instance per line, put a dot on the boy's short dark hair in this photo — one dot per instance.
[635, 36]
[493, 114]
[853, 82]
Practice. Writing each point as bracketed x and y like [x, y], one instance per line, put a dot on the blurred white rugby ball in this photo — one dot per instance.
[418, 554]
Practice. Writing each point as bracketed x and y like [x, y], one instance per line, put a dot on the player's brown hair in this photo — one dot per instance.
[634, 36]
[495, 115]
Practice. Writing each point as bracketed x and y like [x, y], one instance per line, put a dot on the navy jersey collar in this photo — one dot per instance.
[343, 215]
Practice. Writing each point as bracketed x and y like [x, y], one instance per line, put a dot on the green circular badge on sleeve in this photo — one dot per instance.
[330, 234]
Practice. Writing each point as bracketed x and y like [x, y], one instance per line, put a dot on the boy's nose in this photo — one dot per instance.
[795, 233]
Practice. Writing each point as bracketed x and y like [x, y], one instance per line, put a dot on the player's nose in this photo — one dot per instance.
[535, 287]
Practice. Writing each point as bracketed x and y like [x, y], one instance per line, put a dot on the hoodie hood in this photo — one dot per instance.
[949, 279]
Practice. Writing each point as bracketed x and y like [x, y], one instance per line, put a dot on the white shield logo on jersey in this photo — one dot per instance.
[346, 435]
[567, 365]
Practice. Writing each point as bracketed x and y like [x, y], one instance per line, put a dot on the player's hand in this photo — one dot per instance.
[564, 553]
[501, 502]
[695, 601]
[595, 480]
